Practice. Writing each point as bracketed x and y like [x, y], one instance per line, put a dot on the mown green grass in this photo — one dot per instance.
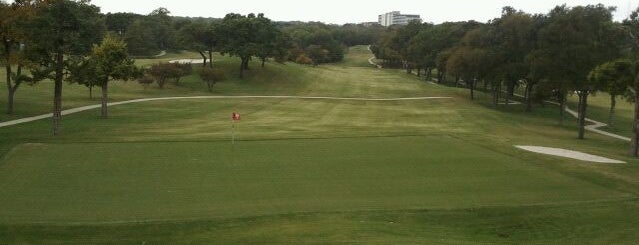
[196, 180]
[357, 57]
[588, 223]
[310, 171]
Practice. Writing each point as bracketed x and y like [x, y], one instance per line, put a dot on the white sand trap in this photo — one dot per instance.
[188, 61]
[568, 154]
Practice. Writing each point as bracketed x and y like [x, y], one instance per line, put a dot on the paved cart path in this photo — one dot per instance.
[91, 107]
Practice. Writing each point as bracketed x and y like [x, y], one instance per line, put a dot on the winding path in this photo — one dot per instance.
[162, 53]
[91, 107]
[594, 127]
[372, 59]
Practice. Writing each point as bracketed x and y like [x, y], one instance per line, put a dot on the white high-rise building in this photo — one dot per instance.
[396, 18]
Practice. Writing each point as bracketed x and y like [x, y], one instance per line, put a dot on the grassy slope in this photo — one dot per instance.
[467, 147]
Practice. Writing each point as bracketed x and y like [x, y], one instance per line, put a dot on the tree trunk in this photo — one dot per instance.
[10, 89]
[161, 82]
[613, 104]
[562, 107]
[634, 144]
[263, 62]
[203, 58]
[105, 100]
[496, 90]
[57, 92]
[529, 91]
[210, 58]
[242, 68]
[472, 88]
[246, 63]
[440, 77]
[508, 86]
[7, 48]
[10, 101]
[583, 105]
[91, 92]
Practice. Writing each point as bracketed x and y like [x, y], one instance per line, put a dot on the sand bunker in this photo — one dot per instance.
[568, 154]
[188, 61]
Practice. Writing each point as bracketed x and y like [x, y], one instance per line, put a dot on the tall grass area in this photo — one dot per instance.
[309, 171]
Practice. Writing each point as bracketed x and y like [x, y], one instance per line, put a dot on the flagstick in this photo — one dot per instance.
[233, 132]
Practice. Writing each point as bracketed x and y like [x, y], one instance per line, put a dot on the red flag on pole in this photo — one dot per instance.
[235, 116]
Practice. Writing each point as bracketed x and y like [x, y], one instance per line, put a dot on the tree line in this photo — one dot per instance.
[312, 43]
[70, 40]
[570, 50]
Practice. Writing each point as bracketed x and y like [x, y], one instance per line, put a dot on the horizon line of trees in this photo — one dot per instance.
[570, 50]
[70, 40]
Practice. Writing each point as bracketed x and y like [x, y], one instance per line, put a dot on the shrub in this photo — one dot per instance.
[304, 60]
[146, 81]
[211, 76]
[163, 71]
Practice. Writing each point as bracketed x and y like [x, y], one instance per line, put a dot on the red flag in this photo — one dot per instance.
[236, 116]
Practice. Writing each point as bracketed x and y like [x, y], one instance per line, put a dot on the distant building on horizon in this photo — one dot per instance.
[397, 18]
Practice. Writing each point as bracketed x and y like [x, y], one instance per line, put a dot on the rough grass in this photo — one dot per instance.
[308, 171]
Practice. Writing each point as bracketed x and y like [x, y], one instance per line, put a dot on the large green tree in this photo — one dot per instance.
[240, 37]
[141, 38]
[112, 62]
[12, 18]
[269, 39]
[515, 39]
[611, 78]
[470, 60]
[59, 30]
[632, 29]
[572, 43]
[202, 37]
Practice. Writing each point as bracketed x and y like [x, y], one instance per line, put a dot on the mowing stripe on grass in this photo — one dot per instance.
[91, 107]
[140, 182]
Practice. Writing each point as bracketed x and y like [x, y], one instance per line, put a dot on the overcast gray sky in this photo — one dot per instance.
[352, 11]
